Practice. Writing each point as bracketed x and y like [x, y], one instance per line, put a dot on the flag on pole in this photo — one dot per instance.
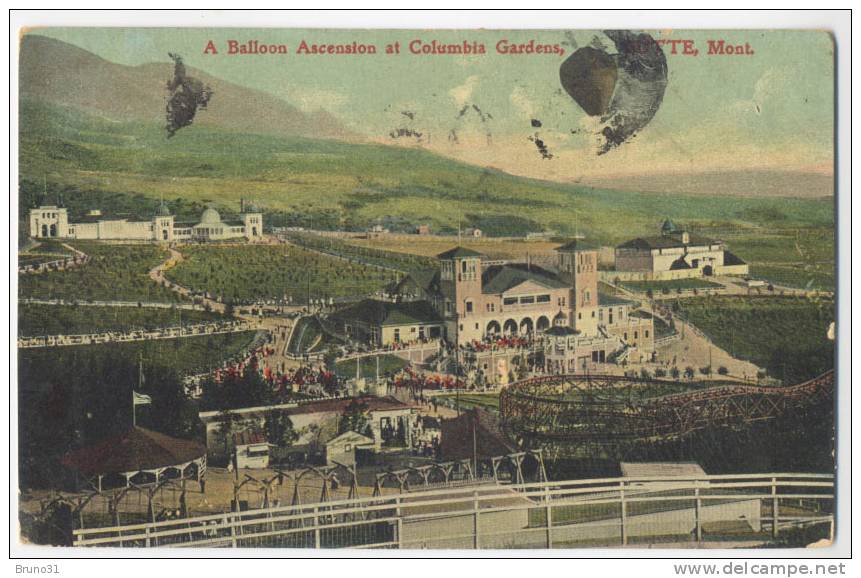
[140, 399]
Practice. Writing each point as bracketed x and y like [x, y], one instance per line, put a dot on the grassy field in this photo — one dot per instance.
[328, 184]
[247, 273]
[368, 366]
[114, 273]
[434, 245]
[793, 257]
[375, 256]
[488, 401]
[36, 320]
[663, 287]
[786, 335]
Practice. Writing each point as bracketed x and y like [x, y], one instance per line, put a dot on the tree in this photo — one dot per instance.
[722, 370]
[356, 417]
[675, 372]
[689, 372]
[279, 429]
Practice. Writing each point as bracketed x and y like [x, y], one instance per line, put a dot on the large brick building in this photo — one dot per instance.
[476, 301]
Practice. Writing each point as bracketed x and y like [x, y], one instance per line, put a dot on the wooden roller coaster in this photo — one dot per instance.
[564, 413]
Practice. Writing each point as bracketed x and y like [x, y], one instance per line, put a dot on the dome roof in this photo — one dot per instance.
[210, 215]
[162, 211]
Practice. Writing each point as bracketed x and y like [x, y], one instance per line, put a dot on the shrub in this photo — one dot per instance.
[722, 370]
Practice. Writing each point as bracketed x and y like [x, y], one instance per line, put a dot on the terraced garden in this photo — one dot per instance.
[246, 273]
[114, 273]
[186, 356]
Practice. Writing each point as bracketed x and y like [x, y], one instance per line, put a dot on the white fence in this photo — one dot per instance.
[136, 335]
[743, 508]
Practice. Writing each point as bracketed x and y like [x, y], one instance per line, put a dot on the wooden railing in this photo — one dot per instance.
[744, 508]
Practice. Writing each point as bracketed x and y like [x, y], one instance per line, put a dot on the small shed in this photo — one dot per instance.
[342, 448]
[252, 450]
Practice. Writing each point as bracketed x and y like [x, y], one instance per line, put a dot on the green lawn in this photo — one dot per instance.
[786, 335]
[798, 276]
[114, 273]
[368, 366]
[241, 273]
[36, 320]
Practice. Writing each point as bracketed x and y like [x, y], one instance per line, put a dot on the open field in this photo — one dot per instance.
[115, 273]
[36, 320]
[786, 335]
[242, 273]
[434, 245]
[801, 258]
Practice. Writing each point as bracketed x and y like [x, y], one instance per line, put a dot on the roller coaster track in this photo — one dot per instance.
[575, 410]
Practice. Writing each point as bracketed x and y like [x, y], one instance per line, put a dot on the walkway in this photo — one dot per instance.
[177, 332]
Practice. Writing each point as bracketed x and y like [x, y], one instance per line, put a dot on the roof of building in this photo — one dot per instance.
[730, 258]
[387, 313]
[425, 279]
[210, 217]
[134, 450]
[162, 210]
[458, 442]
[577, 245]
[668, 226]
[351, 435]
[665, 242]
[607, 299]
[658, 469]
[249, 437]
[457, 253]
[500, 278]
[561, 331]
[234, 223]
[679, 264]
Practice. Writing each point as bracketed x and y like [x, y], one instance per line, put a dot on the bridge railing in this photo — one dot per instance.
[743, 508]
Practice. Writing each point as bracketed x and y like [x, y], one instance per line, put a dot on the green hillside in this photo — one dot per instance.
[330, 184]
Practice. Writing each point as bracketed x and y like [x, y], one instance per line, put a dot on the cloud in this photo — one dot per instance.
[520, 99]
[461, 94]
[773, 82]
[310, 99]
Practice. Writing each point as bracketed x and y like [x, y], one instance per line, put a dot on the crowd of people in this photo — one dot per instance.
[498, 342]
[416, 381]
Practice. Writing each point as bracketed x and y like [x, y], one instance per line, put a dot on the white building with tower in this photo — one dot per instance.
[52, 221]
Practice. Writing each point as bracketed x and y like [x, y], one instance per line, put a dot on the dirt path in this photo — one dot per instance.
[695, 350]
[174, 258]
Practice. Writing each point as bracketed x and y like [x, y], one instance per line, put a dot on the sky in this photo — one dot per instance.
[772, 109]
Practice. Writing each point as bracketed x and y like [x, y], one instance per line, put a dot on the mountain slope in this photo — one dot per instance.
[59, 73]
[332, 184]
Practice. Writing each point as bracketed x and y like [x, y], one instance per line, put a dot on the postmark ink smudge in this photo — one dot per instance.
[187, 95]
[541, 146]
[624, 89]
